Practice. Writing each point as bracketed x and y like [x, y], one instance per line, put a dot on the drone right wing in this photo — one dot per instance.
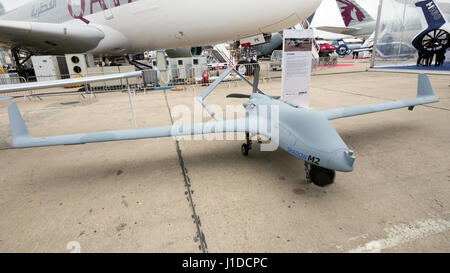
[425, 95]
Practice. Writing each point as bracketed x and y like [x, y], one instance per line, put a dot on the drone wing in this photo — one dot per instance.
[425, 95]
[21, 138]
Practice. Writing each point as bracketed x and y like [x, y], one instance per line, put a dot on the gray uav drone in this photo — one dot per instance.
[304, 133]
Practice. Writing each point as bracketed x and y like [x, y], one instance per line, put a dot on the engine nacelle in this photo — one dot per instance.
[184, 52]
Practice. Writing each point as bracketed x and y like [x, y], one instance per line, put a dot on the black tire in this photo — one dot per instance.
[322, 177]
[244, 149]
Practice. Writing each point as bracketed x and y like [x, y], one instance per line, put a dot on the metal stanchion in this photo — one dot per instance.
[131, 105]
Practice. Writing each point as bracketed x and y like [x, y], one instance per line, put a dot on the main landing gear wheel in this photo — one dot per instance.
[246, 147]
[319, 176]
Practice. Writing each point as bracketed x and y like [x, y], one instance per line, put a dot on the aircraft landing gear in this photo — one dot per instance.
[319, 176]
[245, 148]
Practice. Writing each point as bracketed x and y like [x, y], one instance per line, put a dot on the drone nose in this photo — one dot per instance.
[342, 161]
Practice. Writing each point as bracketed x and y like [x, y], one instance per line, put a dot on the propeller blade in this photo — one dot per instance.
[238, 96]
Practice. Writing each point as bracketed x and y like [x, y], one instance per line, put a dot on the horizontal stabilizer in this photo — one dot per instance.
[339, 30]
[425, 95]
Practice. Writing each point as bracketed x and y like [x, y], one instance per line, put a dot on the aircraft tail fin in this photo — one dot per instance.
[352, 13]
[18, 127]
[424, 88]
[433, 15]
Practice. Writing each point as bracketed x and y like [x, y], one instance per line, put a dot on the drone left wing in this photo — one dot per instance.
[425, 95]
[21, 138]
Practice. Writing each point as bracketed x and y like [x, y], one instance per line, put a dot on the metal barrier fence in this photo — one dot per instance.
[153, 79]
[12, 78]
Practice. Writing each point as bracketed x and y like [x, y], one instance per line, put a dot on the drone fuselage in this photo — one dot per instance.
[304, 133]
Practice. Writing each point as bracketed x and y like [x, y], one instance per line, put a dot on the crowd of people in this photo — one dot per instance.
[427, 59]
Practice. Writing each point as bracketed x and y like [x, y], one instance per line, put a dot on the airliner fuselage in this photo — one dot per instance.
[131, 26]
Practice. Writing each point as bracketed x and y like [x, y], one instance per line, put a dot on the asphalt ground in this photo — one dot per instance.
[160, 195]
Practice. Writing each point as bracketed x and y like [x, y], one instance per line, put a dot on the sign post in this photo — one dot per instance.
[297, 60]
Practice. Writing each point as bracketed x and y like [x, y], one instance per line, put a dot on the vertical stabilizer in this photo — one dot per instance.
[424, 88]
[352, 13]
[18, 127]
[433, 15]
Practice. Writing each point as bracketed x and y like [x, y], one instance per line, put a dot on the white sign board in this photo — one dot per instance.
[297, 60]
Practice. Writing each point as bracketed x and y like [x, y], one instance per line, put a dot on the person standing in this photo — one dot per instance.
[430, 59]
[440, 58]
[419, 59]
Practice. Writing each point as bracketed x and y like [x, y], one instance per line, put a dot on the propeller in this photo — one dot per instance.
[255, 87]
[238, 96]
[244, 96]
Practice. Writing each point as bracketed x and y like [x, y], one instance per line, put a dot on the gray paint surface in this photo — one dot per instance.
[306, 134]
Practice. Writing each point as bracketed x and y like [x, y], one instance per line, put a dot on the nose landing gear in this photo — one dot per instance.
[319, 176]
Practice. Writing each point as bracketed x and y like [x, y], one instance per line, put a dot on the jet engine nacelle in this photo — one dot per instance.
[436, 37]
[184, 52]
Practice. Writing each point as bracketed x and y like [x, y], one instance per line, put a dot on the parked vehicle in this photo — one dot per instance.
[276, 59]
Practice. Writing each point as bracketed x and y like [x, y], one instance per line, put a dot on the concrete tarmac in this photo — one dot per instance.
[132, 196]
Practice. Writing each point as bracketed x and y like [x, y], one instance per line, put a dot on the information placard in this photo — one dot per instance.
[297, 59]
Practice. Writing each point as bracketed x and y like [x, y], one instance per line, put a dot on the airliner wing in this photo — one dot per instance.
[21, 138]
[425, 95]
[339, 30]
[50, 38]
